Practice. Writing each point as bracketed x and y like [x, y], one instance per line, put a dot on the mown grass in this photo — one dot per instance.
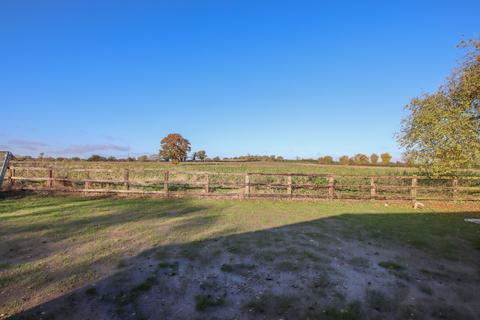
[52, 245]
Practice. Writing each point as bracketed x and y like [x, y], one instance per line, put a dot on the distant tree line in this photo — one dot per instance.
[360, 159]
[249, 157]
[181, 155]
[175, 148]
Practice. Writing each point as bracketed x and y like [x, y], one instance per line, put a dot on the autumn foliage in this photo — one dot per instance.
[174, 147]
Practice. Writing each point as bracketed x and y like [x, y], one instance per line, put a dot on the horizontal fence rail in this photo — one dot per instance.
[235, 185]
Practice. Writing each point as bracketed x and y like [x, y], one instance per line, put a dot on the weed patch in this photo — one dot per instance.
[389, 265]
[91, 291]
[4, 265]
[169, 268]
[203, 302]
[135, 292]
[378, 301]
[426, 290]
[359, 262]
[322, 281]
[352, 311]
[270, 303]
[236, 268]
[287, 266]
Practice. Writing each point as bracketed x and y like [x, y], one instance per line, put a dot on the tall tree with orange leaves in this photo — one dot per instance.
[174, 147]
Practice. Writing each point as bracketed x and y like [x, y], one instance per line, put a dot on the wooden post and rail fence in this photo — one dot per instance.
[248, 185]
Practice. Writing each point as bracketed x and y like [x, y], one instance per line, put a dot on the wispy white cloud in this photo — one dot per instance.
[88, 148]
[26, 144]
[109, 138]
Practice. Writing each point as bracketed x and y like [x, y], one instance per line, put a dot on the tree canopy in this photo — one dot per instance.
[325, 160]
[442, 132]
[202, 155]
[360, 158]
[174, 147]
[344, 160]
[386, 158]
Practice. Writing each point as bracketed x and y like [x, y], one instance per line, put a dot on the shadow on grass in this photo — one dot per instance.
[329, 268]
[15, 194]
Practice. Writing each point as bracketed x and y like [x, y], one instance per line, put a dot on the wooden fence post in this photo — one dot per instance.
[373, 188]
[455, 189]
[50, 178]
[165, 183]
[289, 185]
[87, 180]
[126, 177]
[331, 187]
[413, 190]
[11, 181]
[207, 183]
[247, 185]
[14, 171]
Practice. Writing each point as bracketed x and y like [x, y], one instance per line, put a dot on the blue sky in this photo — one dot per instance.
[290, 78]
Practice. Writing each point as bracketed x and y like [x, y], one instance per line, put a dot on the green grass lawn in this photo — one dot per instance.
[51, 247]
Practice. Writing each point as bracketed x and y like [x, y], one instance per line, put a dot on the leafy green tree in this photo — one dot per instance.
[386, 158]
[374, 158]
[174, 147]
[202, 155]
[325, 160]
[96, 157]
[143, 158]
[360, 158]
[344, 160]
[442, 131]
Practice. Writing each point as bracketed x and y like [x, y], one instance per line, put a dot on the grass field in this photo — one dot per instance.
[243, 167]
[237, 167]
[112, 258]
